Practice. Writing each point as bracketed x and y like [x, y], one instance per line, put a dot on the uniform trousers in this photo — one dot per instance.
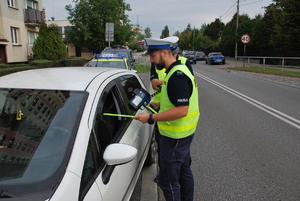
[175, 175]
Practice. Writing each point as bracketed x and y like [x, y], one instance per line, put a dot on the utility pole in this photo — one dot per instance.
[193, 38]
[237, 26]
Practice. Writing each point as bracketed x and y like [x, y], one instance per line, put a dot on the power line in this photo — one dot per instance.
[228, 10]
[251, 3]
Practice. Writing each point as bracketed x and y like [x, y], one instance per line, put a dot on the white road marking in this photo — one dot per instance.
[280, 115]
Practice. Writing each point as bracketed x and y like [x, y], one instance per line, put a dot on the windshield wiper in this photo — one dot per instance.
[5, 194]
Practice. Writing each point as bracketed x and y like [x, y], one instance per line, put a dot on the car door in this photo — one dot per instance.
[113, 129]
[134, 133]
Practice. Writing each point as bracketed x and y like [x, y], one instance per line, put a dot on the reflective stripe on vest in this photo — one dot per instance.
[185, 126]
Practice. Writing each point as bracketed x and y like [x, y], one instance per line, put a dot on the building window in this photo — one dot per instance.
[14, 35]
[11, 3]
[31, 4]
[31, 37]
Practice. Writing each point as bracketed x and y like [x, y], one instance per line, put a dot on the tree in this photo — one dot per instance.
[147, 33]
[286, 30]
[49, 44]
[177, 33]
[214, 29]
[89, 19]
[165, 32]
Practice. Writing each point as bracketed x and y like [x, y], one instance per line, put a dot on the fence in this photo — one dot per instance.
[262, 60]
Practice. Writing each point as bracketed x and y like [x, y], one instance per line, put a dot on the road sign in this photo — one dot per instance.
[109, 32]
[245, 38]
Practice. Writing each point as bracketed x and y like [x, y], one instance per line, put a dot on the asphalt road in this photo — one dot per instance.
[247, 143]
[246, 146]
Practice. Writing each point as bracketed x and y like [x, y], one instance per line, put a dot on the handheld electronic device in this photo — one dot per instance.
[140, 100]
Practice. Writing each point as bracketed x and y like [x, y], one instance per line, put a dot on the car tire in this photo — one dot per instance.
[195, 62]
[151, 157]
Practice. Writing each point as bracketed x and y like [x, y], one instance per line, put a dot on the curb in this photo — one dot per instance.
[149, 190]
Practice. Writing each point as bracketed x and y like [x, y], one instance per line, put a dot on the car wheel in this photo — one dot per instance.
[223, 63]
[151, 157]
[195, 62]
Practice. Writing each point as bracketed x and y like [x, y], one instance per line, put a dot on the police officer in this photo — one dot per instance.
[177, 120]
[157, 77]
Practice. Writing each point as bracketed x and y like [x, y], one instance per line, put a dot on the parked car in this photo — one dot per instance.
[200, 56]
[109, 60]
[191, 57]
[184, 52]
[59, 137]
[126, 52]
[215, 57]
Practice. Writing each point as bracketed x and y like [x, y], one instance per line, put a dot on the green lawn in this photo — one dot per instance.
[141, 68]
[268, 71]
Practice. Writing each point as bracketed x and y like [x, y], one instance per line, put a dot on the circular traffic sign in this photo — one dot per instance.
[245, 38]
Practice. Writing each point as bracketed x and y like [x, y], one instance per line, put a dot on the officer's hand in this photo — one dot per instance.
[142, 117]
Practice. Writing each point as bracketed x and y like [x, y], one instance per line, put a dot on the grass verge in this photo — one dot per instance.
[271, 71]
[141, 68]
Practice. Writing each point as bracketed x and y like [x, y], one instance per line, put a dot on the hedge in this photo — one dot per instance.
[70, 61]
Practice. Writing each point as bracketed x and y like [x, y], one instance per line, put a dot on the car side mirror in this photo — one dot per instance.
[118, 154]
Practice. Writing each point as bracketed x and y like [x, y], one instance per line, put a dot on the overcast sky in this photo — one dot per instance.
[176, 14]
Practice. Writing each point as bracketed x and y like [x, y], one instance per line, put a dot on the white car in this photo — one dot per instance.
[57, 144]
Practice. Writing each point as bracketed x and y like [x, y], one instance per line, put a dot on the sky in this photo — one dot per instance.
[176, 14]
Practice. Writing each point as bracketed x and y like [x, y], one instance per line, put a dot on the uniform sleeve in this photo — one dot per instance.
[153, 73]
[179, 89]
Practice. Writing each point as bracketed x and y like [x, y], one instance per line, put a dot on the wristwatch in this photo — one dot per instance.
[150, 120]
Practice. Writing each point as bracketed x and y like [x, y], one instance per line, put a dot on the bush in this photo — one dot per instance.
[76, 61]
[49, 44]
[10, 70]
[42, 63]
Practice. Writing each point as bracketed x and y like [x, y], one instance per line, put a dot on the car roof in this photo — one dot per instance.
[62, 78]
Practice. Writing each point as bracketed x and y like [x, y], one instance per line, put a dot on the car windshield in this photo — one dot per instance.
[217, 54]
[107, 63]
[37, 128]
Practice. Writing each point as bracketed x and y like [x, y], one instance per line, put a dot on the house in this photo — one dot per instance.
[19, 21]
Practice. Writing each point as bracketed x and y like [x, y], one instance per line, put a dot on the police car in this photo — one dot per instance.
[67, 134]
[109, 61]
